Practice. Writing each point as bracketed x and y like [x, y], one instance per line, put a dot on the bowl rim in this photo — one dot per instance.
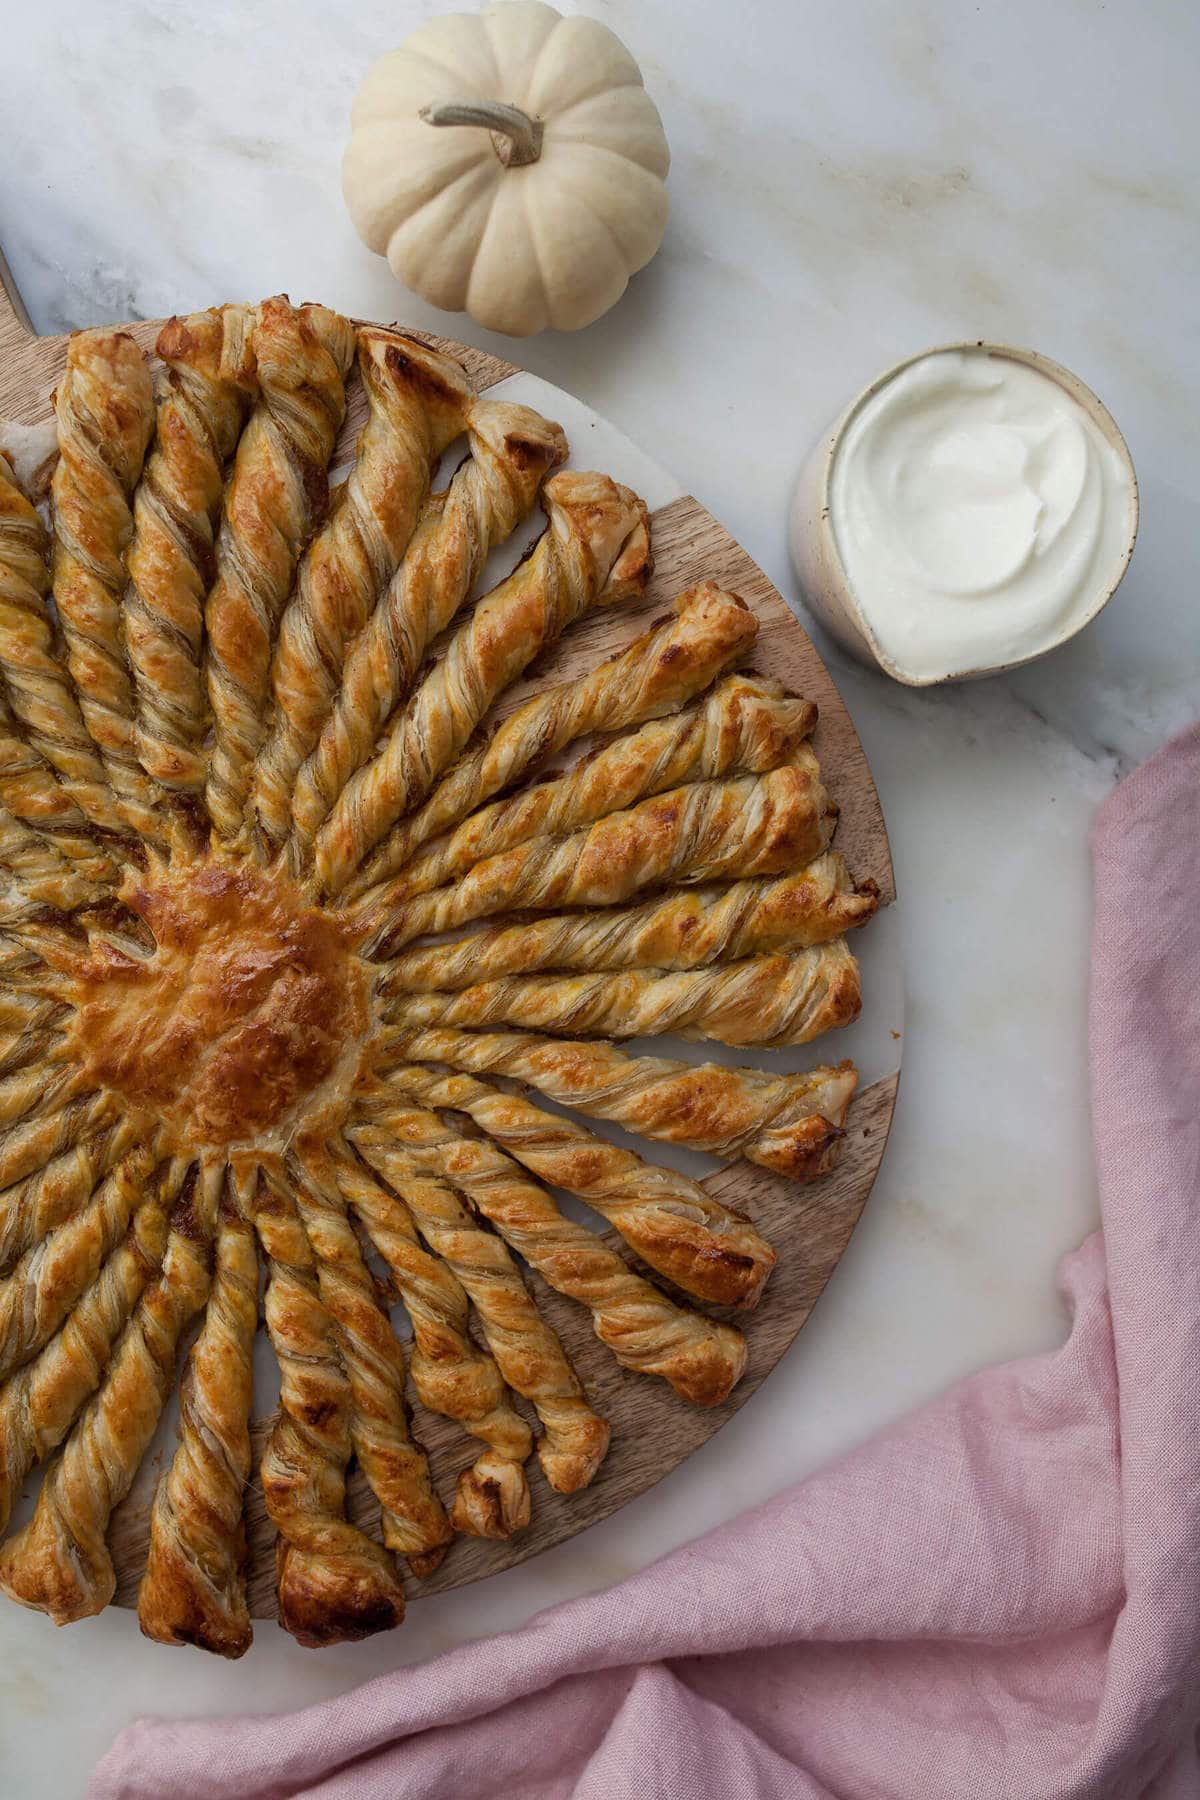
[1082, 394]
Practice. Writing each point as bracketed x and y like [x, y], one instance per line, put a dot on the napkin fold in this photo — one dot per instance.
[999, 1597]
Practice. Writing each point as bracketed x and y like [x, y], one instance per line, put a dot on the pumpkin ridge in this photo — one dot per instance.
[531, 79]
[591, 149]
[607, 229]
[534, 239]
[588, 41]
[460, 85]
[492, 16]
[631, 258]
[614, 87]
[471, 172]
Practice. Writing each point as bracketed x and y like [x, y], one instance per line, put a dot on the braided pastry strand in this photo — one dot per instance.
[451, 1374]
[768, 1001]
[43, 698]
[419, 402]
[595, 551]
[36, 874]
[49, 1278]
[744, 726]
[414, 1522]
[669, 1220]
[193, 1590]
[335, 1584]
[750, 825]
[512, 450]
[104, 413]
[647, 1332]
[31, 1031]
[29, 1094]
[60, 1563]
[63, 1118]
[706, 631]
[20, 966]
[527, 1350]
[211, 381]
[55, 1192]
[277, 495]
[30, 791]
[39, 1405]
[684, 930]
[790, 1124]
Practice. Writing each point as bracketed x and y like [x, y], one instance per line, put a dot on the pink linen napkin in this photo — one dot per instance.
[998, 1597]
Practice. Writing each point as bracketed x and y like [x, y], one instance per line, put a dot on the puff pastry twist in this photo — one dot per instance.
[277, 495]
[30, 1031]
[210, 384]
[47, 1281]
[23, 1008]
[35, 1141]
[702, 1360]
[492, 1498]
[30, 791]
[20, 967]
[669, 1220]
[27, 1094]
[47, 943]
[335, 1584]
[512, 449]
[104, 414]
[36, 874]
[193, 1590]
[595, 551]
[43, 698]
[60, 1563]
[42, 1401]
[414, 1521]
[452, 1375]
[745, 725]
[418, 403]
[55, 1192]
[765, 1000]
[527, 1350]
[60, 1115]
[751, 825]
[676, 659]
[790, 1124]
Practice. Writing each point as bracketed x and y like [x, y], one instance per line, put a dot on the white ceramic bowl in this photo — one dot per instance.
[823, 581]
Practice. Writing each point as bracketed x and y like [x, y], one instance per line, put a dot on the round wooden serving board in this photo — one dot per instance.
[652, 1430]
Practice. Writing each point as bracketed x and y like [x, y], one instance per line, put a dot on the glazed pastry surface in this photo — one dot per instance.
[259, 755]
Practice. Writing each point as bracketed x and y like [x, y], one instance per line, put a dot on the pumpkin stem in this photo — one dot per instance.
[516, 138]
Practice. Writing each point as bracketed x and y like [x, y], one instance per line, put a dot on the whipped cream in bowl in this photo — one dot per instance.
[973, 509]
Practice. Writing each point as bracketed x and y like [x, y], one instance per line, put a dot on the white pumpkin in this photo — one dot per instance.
[511, 165]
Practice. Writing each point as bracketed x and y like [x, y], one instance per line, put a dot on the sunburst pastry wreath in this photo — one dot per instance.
[248, 778]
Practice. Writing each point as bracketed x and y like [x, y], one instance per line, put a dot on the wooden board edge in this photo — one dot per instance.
[14, 318]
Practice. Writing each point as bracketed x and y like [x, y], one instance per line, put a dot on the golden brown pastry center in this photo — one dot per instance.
[249, 1018]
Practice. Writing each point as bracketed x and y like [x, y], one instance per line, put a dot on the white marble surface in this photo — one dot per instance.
[850, 183]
